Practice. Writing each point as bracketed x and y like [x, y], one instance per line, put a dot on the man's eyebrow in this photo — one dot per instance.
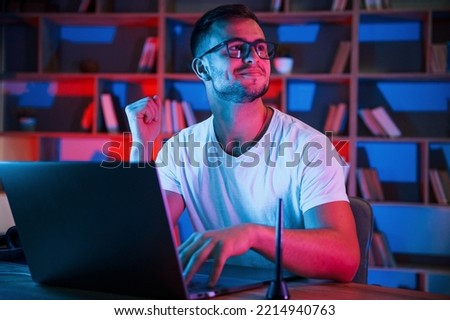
[242, 39]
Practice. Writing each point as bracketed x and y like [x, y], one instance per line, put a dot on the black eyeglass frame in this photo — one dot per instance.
[250, 45]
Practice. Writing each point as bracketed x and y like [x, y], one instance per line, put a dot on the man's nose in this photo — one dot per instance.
[251, 55]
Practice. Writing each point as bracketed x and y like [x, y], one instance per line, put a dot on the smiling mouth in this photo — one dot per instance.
[251, 73]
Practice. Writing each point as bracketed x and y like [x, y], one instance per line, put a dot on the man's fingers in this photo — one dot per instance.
[197, 259]
[187, 248]
[147, 109]
[157, 104]
[218, 264]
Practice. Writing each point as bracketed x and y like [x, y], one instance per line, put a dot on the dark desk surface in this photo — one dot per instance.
[16, 284]
[340, 291]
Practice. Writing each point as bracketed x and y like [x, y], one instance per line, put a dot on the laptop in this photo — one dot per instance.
[105, 228]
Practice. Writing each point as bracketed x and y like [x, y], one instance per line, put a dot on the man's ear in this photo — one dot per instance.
[200, 69]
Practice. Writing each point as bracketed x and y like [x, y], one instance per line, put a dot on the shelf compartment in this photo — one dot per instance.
[191, 91]
[95, 148]
[309, 100]
[41, 6]
[57, 104]
[405, 5]
[391, 44]
[317, 5]
[441, 26]
[313, 45]
[201, 6]
[398, 168]
[124, 91]
[439, 159]
[178, 55]
[19, 148]
[103, 45]
[128, 6]
[19, 35]
[419, 108]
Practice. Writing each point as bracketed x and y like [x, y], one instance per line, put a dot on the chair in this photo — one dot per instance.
[362, 212]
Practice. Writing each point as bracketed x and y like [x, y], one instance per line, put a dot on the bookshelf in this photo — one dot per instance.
[58, 59]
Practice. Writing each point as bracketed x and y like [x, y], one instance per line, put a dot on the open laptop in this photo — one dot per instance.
[104, 228]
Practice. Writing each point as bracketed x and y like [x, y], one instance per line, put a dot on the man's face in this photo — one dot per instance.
[237, 80]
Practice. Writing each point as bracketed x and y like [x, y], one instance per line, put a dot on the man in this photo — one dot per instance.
[230, 170]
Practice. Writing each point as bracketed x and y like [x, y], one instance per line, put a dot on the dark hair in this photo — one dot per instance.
[221, 13]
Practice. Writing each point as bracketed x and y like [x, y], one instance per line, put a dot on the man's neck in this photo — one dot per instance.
[236, 125]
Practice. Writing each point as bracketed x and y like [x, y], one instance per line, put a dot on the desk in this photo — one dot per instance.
[339, 291]
[15, 283]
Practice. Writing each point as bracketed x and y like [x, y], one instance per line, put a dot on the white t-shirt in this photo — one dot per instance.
[292, 161]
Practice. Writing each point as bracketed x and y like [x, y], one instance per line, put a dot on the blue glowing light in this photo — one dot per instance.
[395, 162]
[375, 32]
[301, 96]
[88, 34]
[298, 33]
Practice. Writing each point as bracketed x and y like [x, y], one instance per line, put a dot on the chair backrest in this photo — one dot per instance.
[362, 212]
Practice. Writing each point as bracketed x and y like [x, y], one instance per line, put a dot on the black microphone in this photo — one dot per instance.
[278, 289]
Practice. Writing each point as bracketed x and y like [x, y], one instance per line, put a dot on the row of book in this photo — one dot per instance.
[371, 188]
[379, 122]
[440, 184]
[175, 115]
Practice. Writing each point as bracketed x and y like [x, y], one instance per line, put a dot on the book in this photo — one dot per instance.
[148, 55]
[341, 58]
[445, 181]
[371, 122]
[375, 184]
[440, 184]
[381, 251]
[167, 116]
[329, 119]
[369, 184]
[386, 122]
[180, 116]
[276, 5]
[87, 118]
[373, 4]
[363, 183]
[338, 5]
[84, 5]
[338, 123]
[438, 63]
[188, 113]
[335, 120]
[109, 114]
[178, 119]
[437, 187]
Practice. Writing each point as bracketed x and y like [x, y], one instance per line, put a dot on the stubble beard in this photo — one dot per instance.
[239, 93]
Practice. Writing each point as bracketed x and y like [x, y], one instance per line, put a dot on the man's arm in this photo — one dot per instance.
[176, 205]
[328, 247]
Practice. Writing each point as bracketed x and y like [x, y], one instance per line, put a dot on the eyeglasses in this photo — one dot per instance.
[238, 49]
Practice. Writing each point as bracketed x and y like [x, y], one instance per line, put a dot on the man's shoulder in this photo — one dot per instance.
[291, 125]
